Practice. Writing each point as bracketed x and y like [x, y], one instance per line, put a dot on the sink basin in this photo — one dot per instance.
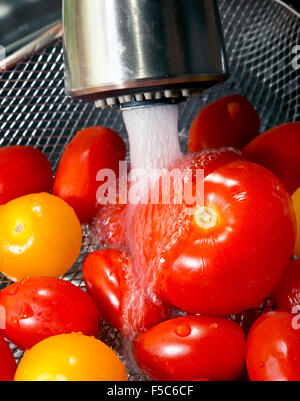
[21, 21]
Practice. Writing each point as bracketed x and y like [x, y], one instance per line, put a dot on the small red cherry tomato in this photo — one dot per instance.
[273, 348]
[92, 150]
[23, 171]
[38, 308]
[279, 150]
[190, 347]
[8, 364]
[287, 293]
[231, 121]
[105, 274]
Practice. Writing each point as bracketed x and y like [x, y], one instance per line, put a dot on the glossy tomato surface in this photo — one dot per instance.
[93, 149]
[70, 357]
[8, 364]
[23, 170]
[41, 307]
[279, 150]
[40, 235]
[287, 293]
[190, 347]
[230, 121]
[102, 272]
[227, 255]
[296, 203]
[273, 348]
[109, 225]
[106, 277]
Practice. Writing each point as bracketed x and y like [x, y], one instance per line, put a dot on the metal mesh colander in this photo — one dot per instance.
[260, 37]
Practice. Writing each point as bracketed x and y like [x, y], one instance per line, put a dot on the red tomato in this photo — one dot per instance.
[231, 121]
[23, 171]
[279, 150]
[92, 150]
[105, 275]
[8, 364]
[223, 257]
[287, 293]
[273, 348]
[190, 347]
[102, 273]
[38, 308]
[109, 225]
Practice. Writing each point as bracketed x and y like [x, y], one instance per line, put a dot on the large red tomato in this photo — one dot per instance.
[92, 150]
[106, 277]
[8, 364]
[279, 150]
[226, 255]
[23, 171]
[287, 293]
[38, 308]
[230, 121]
[190, 347]
[273, 348]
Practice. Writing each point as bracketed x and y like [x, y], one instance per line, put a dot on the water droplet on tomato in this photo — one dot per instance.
[183, 330]
[26, 312]
[261, 365]
[214, 326]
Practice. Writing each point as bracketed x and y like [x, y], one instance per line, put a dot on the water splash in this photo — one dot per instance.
[153, 136]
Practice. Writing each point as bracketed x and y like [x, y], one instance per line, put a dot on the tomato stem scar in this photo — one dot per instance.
[19, 228]
[206, 217]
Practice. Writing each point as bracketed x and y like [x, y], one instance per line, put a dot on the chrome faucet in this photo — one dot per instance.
[128, 53]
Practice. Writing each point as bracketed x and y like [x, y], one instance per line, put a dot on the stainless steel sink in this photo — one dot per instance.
[21, 21]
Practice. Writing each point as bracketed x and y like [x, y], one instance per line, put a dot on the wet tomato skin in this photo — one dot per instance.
[38, 308]
[234, 265]
[230, 121]
[279, 150]
[102, 275]
[287, 294]
[190, 347]
[273, 348]
[23, 171]
[91, 150]
[105, 275]
[8, 364]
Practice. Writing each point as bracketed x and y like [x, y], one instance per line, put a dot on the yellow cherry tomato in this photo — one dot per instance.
[296, 202]
[40, 235]
[70, 357]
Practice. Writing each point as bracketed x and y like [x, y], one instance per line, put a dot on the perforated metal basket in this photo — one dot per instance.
[260, 37]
